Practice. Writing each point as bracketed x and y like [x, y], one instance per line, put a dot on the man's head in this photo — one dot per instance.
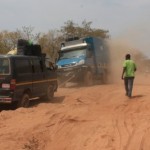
[128, 56]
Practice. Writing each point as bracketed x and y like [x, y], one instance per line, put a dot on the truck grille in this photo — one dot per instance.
[68, 65]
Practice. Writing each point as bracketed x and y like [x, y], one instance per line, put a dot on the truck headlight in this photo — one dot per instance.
[59, 67]
[81, 62]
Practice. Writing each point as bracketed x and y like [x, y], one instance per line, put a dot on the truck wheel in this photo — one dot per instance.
[88, 79]
[50, 92]
[24, 101]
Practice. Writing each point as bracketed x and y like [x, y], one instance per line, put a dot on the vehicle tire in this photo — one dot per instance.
[24, 102]
[50, 93]
[88, 79]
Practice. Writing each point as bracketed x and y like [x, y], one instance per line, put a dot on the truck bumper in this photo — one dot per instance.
[74, 74]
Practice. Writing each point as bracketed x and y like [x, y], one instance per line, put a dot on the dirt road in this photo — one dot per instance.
[100, 117]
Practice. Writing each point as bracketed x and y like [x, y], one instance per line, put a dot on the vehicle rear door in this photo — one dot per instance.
[5, 79]
[22, 71]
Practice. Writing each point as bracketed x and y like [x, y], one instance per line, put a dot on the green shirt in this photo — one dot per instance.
[130, 68]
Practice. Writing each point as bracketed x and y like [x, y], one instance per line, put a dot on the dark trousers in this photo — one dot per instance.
[128, 82]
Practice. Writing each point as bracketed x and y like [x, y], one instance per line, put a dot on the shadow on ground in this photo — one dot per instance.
[34, 103]
[54, 100]
[137, 96]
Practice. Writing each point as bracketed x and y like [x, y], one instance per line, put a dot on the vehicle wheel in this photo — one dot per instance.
[88, 79]
[50, 92]
[24, 101]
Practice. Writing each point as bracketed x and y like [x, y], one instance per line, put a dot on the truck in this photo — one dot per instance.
[83, 60]
[24, 76]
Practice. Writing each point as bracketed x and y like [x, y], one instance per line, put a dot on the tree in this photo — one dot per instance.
[28, 33]
[50, 44]
[8, 41]
[51, 41]
[72, 29]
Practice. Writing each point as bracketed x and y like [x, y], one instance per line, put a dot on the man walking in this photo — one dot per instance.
[129, 68]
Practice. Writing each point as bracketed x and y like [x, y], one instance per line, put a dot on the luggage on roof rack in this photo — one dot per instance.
[25, 47]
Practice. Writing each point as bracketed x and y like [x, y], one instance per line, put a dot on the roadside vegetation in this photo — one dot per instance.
[50, 41]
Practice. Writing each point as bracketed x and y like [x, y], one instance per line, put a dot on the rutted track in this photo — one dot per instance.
[93, 118]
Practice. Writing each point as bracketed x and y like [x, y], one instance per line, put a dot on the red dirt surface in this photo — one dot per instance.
[100, 117]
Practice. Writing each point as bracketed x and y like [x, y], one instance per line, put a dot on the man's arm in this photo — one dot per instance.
[135, 67]
[123, 71]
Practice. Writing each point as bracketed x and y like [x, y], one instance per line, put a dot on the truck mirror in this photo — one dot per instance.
[60, 54]
[89, 54]
[56, 67]
[89, 47]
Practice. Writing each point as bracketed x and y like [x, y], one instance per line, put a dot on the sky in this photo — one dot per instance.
[123, 18]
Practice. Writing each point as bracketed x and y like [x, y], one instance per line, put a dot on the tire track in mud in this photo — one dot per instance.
[137, 139]
[139, 133]
[121, 124]
[123, 131]
[141, 147]
[128, 115]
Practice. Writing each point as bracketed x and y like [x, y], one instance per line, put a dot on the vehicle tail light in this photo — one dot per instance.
[5, 85]
[13, 84]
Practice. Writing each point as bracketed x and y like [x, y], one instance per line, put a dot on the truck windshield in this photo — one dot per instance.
[4, 66]
[70, 53]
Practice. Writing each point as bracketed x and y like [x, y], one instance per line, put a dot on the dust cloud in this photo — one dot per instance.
[135, 42]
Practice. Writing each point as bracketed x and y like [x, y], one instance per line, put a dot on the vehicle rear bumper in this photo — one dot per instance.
[6, 100]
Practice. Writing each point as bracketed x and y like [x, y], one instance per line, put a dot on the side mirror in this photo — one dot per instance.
[56, 67]
[59, 54]
[89, 54]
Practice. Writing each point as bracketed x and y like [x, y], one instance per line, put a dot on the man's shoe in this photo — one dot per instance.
[129, 96]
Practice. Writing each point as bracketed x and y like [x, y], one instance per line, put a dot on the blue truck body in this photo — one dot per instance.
[84, 60]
